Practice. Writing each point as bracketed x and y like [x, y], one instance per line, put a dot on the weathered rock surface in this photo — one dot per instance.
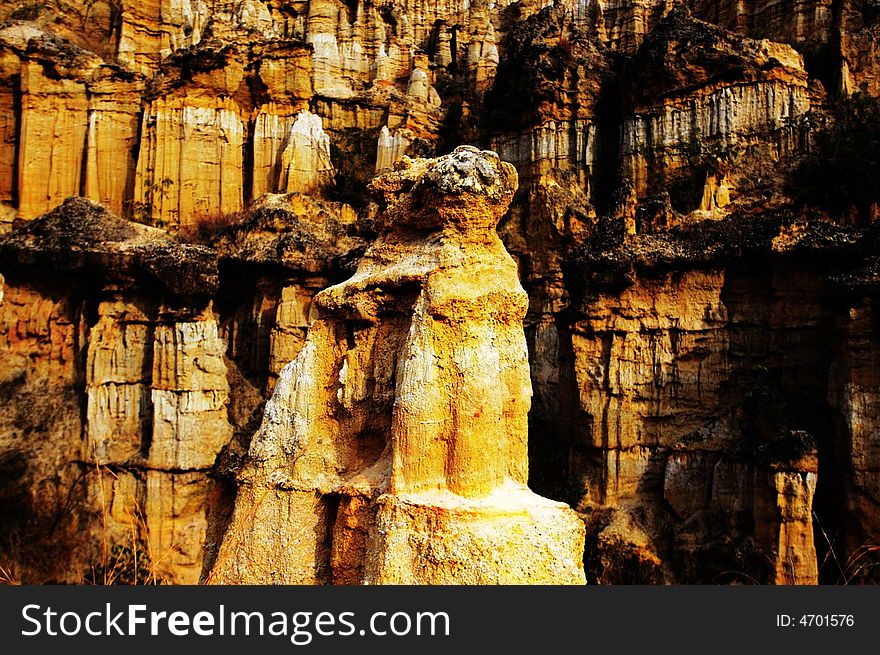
[137, 382]
[220, 85]
[701, 369]
[406, 410]
[190, 165]
[72, 123]
[850, 393]
[81, 236]
[151, 380]
[296, 232]
[226, 80]
[41, 345]
[733, 105]
[699, 327]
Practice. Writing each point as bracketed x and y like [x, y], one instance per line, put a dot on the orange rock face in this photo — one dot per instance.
[682, 331]
[154, 392]
[409, 400]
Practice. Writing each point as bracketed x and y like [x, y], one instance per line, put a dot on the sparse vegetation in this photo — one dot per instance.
[101, 558]
[842, 172]
[708, 156]
[202, 229]
[7, 576]
[124, 565]
[154, 191]
[862, 566]
[129, 563]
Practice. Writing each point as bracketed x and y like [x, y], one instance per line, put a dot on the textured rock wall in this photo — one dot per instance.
[114, 108]
[367, 59]
[129, 397]
[647, 423]
[374, 67]
[289, 51]
[152, 30]
[54, 120]
[119, 487]
[9, 100]
[789, 21]
[859, 49]
[41, 345]
[657, 360]
[664, 373]
[157, 391]
[622, 24]
[655, 145]
[190, 162]
[851, 394]
[144, 393]
[70, 124]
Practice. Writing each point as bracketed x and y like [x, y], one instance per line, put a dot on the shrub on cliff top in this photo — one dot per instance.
[842, 173]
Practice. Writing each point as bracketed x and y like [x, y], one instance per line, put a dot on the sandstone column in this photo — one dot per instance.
[394, 448]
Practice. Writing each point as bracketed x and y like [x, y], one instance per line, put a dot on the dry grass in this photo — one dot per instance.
[102, 556]
[863, 564]
[129, 563]
[203, 229]
[8, 577]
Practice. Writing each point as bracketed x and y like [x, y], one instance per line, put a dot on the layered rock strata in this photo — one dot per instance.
[220, 78]
[149, 377]
[709, 103]
[700, 342]
[213, 80]
[137, 382]
[708, 369]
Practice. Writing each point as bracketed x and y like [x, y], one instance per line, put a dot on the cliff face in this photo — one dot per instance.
[217, 366]
[126, 372]
[192, 92]
[143, 386]
[685, 400]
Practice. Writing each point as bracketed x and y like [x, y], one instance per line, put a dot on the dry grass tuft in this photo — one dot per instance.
[203, 229]
[130, 563]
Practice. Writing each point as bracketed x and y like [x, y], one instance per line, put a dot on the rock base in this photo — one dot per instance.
[512, 536]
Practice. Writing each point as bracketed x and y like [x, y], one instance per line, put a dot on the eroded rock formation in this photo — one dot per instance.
[126, 374]
[694, 229]
[150, 378]
[394, 448]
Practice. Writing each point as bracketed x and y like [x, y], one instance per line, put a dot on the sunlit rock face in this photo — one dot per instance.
[150, 380]
[190, 165]
[398, 435]
[372, 66]
[699, 331]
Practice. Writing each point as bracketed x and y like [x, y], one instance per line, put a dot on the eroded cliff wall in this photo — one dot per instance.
[700, 336]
